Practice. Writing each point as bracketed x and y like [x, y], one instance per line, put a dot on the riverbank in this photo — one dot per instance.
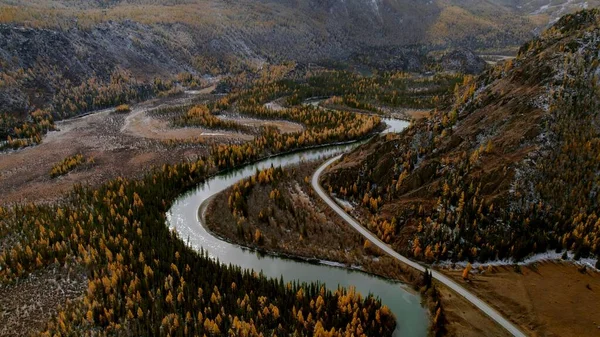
[299, 226]
[327, 237]
[183, 219]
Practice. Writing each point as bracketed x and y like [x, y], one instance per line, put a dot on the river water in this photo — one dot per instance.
[412, 319]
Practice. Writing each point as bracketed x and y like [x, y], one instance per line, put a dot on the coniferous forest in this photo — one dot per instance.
[143, 280]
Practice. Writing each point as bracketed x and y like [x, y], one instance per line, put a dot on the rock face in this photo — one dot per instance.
[462, 61]
[39, 62]
[53, 59]
[80, 53]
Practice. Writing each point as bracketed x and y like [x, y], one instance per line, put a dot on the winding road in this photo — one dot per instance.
[481, 305]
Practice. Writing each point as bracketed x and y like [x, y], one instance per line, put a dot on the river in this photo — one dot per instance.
[412, 319]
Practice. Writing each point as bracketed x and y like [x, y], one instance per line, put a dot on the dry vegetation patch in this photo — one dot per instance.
[545, 299]
[123, 108]
[24, 174]
[465, 320]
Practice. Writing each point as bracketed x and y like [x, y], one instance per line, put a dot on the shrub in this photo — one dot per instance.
[69, 164]
[123, 108]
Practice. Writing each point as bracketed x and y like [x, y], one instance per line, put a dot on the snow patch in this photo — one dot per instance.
[340, 265]
[274, 106]
[332, 263]
[541, 257]
[344, 203]
[541, 10]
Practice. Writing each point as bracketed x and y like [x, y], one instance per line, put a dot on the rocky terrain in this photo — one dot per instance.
[46, 46]
[55, 59]
[508, 171]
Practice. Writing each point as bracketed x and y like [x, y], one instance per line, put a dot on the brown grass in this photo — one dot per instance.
[552, 299]
[464, 320]
[417, 113]
[283, 126]
[24, 173]
[140, 124]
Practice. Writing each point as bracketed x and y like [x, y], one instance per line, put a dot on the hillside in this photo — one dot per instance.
[318, 27]
[53, 53]
[509, 170]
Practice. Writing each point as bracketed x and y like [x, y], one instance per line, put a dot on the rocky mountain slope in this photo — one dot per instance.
[36, 64]
[511, 169]
[319, 24]
[72, 56]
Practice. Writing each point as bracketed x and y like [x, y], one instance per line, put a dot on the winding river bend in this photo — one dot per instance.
[412, 319]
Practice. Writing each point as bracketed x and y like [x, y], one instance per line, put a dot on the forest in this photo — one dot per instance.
[144, 280]
[16, 133]
[69, 164]
[276, 211]
[391, 89]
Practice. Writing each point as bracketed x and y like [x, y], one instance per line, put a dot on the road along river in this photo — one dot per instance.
[481, 305]
[184, 217]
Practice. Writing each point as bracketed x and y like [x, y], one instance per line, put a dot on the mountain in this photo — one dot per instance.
[61, 54]
[316, 25]
[511, 169]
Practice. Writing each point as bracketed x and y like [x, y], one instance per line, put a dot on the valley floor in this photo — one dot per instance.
[548, 299]
[121, 144]
[302, 225]
[545, 299]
